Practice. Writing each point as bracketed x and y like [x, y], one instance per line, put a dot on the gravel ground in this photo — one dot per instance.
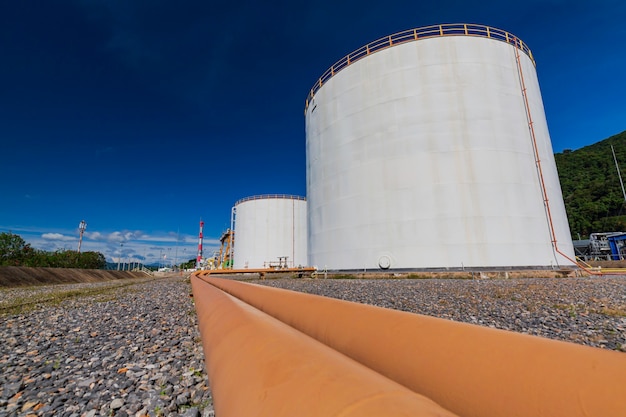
[589, 311]
[129, 349]
[133, 349]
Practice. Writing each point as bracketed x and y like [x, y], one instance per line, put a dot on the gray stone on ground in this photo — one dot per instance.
[122, 352]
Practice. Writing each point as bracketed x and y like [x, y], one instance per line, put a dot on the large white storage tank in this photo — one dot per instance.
[268, 228]
[420, 155]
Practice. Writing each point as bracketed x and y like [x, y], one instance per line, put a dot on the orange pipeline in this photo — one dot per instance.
[258, 366]
[471, 370]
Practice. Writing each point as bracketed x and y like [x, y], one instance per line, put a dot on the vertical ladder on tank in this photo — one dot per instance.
[516, 46]
[231, 237]
[533, 137]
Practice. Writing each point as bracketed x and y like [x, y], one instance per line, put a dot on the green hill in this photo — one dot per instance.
[593, 196]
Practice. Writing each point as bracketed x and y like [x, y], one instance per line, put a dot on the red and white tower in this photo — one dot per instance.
[199, 257]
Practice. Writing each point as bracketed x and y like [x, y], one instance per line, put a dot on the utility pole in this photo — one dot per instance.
[176, 254]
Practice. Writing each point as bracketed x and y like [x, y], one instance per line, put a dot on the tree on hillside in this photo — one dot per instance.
[591, 189]
[13, 249]
[92, 260]
[189, 264]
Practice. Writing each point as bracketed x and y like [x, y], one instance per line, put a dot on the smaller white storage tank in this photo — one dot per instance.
[270, 231]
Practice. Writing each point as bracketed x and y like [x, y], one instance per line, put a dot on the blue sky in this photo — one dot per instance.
[142, 117]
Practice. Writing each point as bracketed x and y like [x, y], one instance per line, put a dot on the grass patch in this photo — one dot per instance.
[574, 310]
[570, 308]
[442, 275]
[20, 305]
[342, 276]
[419, 276]
[613, 312]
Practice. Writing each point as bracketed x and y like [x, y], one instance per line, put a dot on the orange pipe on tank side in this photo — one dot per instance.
[258, 366]
[471, 370]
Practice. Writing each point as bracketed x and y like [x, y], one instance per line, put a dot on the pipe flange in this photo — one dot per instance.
[384, 262]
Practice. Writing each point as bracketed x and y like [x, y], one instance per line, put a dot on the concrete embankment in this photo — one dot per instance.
[16, 276]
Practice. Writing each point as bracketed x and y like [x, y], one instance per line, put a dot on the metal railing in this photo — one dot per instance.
[269, 196]
[426, 32]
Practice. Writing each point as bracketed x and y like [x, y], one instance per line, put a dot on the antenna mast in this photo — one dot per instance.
[82, 226]
[618, 173]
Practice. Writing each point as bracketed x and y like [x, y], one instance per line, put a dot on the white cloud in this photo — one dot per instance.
[94, 235]
[138, 245]
[57, 236]
[120, 237]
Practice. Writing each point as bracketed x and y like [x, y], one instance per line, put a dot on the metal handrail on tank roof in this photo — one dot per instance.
[426, 32]
[269, 196]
